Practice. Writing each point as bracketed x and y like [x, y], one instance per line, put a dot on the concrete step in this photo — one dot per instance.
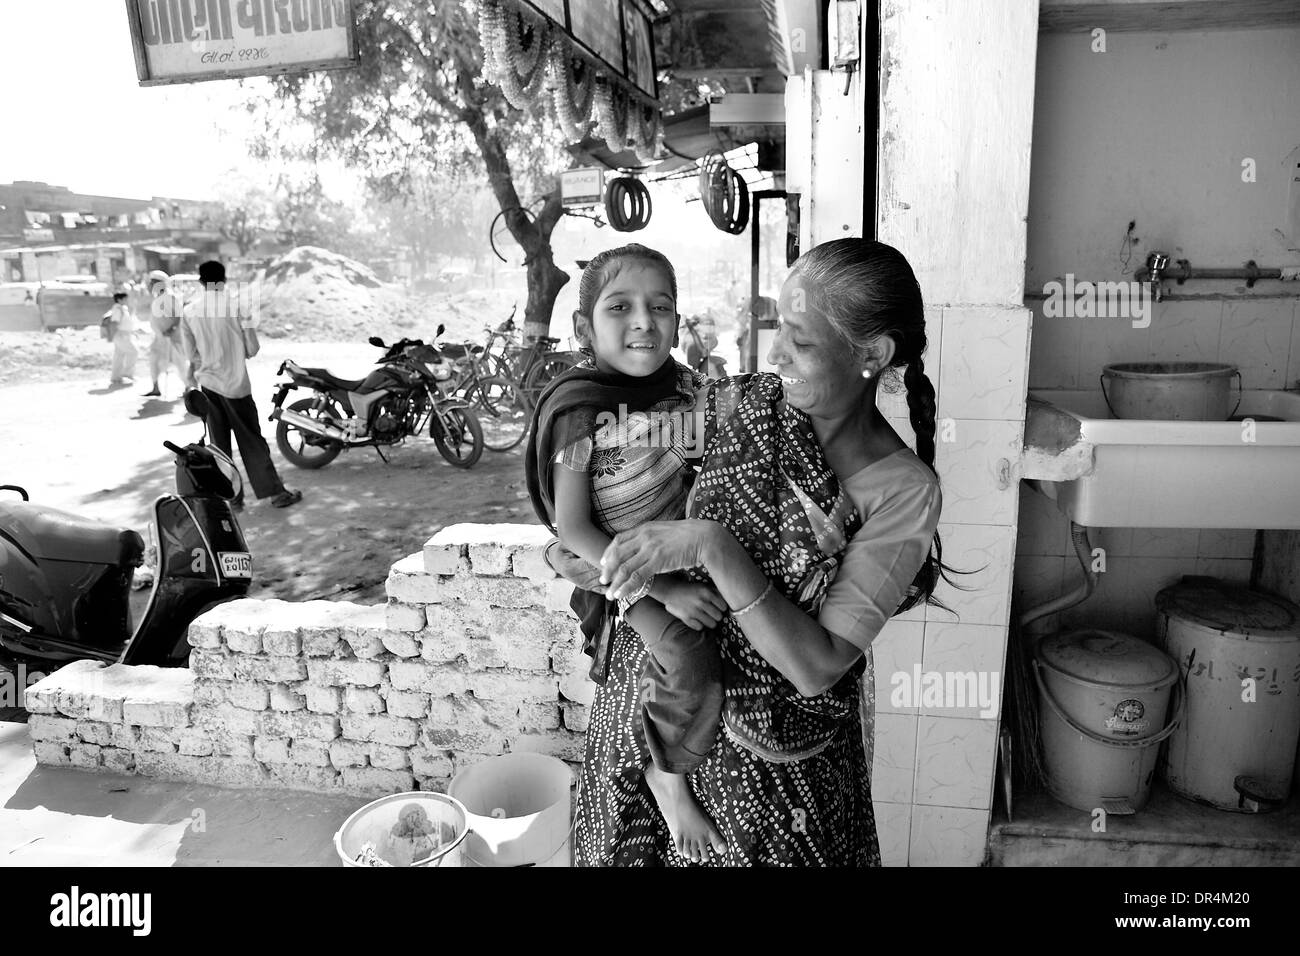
[1170, 831]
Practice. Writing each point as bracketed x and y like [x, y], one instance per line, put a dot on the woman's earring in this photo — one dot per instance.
[866, 373]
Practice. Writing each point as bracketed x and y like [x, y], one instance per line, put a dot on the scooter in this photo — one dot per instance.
[65, 580]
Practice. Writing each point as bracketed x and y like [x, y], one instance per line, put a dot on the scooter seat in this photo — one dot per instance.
[329, 378]
[53, 535]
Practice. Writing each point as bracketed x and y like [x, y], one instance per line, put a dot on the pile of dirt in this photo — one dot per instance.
[312, 294]
[60, 354]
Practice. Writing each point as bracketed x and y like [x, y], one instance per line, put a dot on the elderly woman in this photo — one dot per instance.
[814, 521]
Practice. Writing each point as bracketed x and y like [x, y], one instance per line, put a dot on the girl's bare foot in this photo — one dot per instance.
[692, 831]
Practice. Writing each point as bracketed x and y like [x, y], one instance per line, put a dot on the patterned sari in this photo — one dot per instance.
[786, 783]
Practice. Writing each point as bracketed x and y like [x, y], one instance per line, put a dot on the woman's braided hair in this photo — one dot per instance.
[866, 289]
[604, 266]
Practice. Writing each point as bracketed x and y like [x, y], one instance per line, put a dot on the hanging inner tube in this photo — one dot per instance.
[724, 194]
[627, 204]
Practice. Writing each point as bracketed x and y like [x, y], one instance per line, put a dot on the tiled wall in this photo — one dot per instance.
[956, 115]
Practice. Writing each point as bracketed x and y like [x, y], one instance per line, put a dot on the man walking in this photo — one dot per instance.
[165, 318]
[219, 337]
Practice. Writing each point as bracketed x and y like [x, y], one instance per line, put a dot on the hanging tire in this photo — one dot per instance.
[303, 449]
[458, 435]
[505, 415]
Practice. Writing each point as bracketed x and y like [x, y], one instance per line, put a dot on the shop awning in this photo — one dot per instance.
[171, 250]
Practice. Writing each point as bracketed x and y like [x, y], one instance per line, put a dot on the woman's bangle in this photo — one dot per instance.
[754, 603]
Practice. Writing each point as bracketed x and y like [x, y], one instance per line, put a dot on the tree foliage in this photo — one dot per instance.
[416, 103]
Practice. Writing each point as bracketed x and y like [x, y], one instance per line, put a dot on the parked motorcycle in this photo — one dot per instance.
[390, 404]
[65, 580]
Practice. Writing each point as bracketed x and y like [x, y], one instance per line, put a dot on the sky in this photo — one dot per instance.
[75, 115]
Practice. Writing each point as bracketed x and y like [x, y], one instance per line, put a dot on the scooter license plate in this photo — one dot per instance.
[236, 564]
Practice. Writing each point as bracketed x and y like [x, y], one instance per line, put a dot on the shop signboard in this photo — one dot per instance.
[188, 41]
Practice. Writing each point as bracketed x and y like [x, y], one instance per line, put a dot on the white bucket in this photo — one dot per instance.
[380, 824]
[518, 808]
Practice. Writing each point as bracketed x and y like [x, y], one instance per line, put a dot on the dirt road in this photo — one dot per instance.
[76, 445]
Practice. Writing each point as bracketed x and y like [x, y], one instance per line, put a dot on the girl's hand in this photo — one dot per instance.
[654, 548]
[696, 605]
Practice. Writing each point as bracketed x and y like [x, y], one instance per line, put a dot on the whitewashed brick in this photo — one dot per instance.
[409, 583]
[429, 764]
[226, 717]
[210, 693]
[297, 776]
[578, 688]
[436, 679]
[403, 617]
[322, 699]
[226, 744]
[398, 731]
[373, 781]
[531, 563]
[489, 559]
[366, 642]
[243, 639]
[314, 753]
[476, 739]
[349, 753]
[156, 713]
[494, 592]
[556, 743]
[212, 665]
[362, 700]
[388, 757]
[522, 686]
[491, 637]
[282, 642]
[403, 643]
[271, 749]
[273, 670]
[156, 740]
[340, 673]
[52, 753]
[124, 737]
[85, 756]
[248, 695]
[405, 703]
[320, 642]
[192, 743]
[539, 716]
[203, 634]
[575, 717]
[301, 724]
[118, 761]
[95, 732]
[556, 597]
[286, 698]
[439, 558]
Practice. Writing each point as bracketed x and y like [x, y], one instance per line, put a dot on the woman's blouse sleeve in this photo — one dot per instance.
[884, 556]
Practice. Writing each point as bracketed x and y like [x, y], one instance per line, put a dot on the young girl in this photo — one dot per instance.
[607, 453]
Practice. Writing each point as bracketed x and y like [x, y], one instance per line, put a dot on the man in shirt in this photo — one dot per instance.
[219, 335]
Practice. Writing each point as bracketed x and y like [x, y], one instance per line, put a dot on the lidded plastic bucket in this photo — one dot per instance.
[404, 829]
[1240, 652]
[518, 807]
[1170, 391]
[1103, 700]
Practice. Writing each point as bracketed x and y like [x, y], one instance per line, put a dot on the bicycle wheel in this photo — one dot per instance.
[539, 376]
[506, 416]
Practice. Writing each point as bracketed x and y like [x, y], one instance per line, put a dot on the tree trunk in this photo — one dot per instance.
[533, 234]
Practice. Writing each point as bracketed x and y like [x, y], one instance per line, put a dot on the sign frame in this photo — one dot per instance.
[620, 72]
[146, 76]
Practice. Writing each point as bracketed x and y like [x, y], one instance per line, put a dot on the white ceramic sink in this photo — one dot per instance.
[1112, 473]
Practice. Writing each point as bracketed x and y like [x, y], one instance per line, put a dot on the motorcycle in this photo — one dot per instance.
[386, 407]
[65, 580]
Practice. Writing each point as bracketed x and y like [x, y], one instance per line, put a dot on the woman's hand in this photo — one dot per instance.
[695, 604]
[654, 548]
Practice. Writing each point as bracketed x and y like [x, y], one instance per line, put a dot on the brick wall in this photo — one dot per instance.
[475, 654]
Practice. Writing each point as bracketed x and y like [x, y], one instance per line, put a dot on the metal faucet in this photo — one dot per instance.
[1157, 262]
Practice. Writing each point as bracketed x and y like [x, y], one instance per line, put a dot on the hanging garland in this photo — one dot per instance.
[573, 89]
[519, 52]
[524, 55]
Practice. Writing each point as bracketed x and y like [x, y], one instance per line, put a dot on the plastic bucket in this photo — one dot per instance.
[518, 807]
[1221, 635]
[404, 829]
[1170, 391]
[1103, 698]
